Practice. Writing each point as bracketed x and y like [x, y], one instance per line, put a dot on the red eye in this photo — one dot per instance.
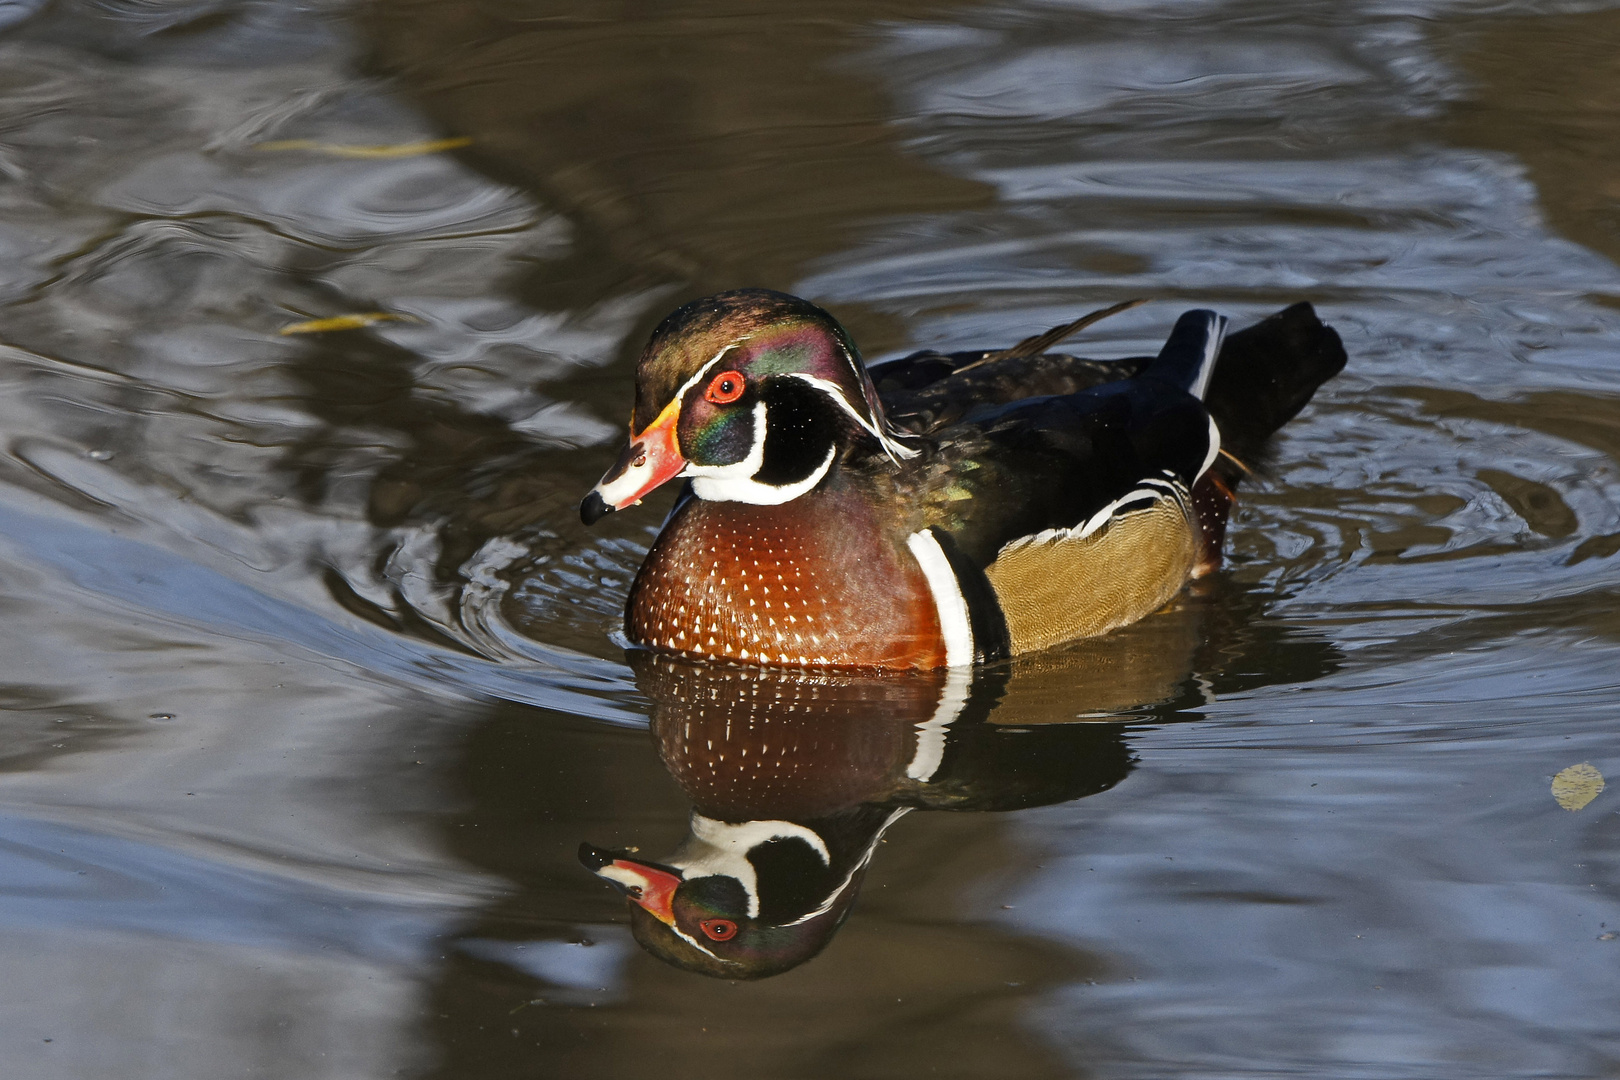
[719, 929]
[725, 388]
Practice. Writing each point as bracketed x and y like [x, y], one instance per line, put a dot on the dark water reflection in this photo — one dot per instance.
[311, 694]
[794, 777]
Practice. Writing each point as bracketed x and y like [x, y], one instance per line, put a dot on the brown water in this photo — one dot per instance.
[310, 693]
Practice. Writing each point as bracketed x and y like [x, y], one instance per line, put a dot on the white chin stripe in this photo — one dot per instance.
[744, 488]
[736, 483]
[722, 847]
[954, 624]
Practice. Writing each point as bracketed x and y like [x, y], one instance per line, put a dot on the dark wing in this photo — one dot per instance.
[1026, 444]
[928, 391]
[1057, 462]
[1087, 510]
[1040, 343]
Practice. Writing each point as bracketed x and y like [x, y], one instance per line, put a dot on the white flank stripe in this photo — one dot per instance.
[1106, 514]
[954, 626]
[931, 733]
[891, 445]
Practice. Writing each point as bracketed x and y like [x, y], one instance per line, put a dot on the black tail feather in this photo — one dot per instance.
[1194, 343]
[1265, 375]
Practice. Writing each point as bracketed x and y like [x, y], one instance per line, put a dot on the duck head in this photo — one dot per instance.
[749, 899]
[752, 395]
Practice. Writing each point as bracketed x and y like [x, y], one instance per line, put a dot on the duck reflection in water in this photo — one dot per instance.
[795, 775]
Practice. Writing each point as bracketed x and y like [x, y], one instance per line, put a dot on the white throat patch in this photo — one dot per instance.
[721, 847]
[736, 483]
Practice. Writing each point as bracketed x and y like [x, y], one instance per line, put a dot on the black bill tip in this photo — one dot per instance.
[594, 508]
[594, 858]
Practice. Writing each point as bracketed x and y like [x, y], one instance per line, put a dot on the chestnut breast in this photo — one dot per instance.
[816, 581]
[756, 743]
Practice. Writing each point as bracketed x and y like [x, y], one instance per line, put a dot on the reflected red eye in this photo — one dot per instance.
[719, 929]
[725, 388]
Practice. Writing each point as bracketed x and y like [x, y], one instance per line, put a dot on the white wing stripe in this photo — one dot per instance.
[1152, 488]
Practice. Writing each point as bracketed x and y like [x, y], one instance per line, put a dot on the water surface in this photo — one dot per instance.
[311, 692]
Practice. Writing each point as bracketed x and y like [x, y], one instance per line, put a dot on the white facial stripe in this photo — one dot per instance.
[736, 483]
[745, 468]
[680, 395]
[626, 876]
[954, 625]
[832, 897]
[720, 847]
[692, 941]
[892, 446]
[636, 477]
[931, 733]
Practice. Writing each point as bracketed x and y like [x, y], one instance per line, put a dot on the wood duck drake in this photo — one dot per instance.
[942, 509]
[794, 777]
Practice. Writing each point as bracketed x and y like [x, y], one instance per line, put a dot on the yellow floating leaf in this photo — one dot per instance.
[396, 150]
[1577, 785]
[343, 322]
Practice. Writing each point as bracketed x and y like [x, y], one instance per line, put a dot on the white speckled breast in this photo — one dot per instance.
[813, 582]
[794, 745]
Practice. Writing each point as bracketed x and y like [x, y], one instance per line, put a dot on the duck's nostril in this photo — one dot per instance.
[639, 460]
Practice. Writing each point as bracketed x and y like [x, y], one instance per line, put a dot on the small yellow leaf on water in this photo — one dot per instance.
[343, 322]
[395, 150]
[1577, 785]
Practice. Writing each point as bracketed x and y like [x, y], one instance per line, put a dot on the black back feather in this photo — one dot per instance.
[1046, 441]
